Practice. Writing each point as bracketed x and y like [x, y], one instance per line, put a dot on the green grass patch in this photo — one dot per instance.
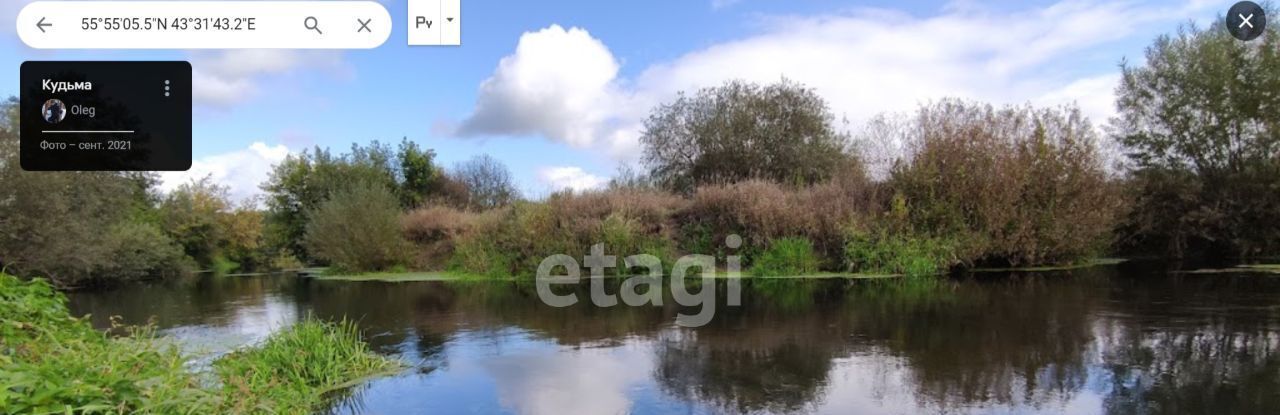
[54, 363]
[883, 253]
[786, 256]
[293, 369]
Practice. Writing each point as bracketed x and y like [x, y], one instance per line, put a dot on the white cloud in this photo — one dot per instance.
[559, 83]
[563, 84]
[225, 78]
[241, 170]
[569, 177]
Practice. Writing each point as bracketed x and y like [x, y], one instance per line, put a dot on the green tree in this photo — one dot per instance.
[1200, 120]
[782, 132]
[201, 217]
[301, 182]
[421, 177]
[190, 215]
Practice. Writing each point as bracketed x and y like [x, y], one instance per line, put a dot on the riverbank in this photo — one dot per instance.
[55, 363]
[424, 276]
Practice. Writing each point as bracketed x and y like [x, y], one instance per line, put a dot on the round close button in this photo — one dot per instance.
[1246, 20]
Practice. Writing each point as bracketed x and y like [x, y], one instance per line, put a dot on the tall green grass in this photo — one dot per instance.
[889, 253]
[786, 257]
[294, 368]
[53, 363]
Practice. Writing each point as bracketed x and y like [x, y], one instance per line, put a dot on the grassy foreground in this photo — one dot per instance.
[55, 363]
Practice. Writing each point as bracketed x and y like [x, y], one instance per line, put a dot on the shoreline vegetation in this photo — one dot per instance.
[415, 276]
[56, 363]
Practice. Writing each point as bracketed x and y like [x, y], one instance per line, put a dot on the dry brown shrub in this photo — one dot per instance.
[762, 211]
[583, 213]
[1018, 185]
[433, 230]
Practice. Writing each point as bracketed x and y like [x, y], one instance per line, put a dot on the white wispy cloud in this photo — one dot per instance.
[223, 79]
[563, 84]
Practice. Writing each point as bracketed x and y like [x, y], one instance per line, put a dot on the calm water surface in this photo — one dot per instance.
[1115, 340]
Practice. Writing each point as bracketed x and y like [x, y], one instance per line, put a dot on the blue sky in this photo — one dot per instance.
[557, 89]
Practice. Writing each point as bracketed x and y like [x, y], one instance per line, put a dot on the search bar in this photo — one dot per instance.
[204, 25]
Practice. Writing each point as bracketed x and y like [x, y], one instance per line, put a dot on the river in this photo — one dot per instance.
[1126, 339]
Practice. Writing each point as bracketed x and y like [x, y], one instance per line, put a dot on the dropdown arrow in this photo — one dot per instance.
[450, 19]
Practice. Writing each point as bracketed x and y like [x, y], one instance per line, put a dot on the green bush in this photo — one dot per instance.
[622, 237]
[477, 256]
[883, 252]
[224, 266]
[786, 257]
[358, 229]
[141, 250]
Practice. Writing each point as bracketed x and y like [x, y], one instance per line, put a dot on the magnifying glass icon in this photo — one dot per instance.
[311, 23]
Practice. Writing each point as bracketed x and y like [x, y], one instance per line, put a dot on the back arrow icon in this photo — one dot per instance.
[41, 25]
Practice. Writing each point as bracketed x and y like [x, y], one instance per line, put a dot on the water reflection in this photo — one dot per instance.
[1113, 340]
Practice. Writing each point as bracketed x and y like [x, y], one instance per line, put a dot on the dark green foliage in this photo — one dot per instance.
[421, 178]
[1201, 123]
[300, 183]
[78, 228]
[781, 132]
